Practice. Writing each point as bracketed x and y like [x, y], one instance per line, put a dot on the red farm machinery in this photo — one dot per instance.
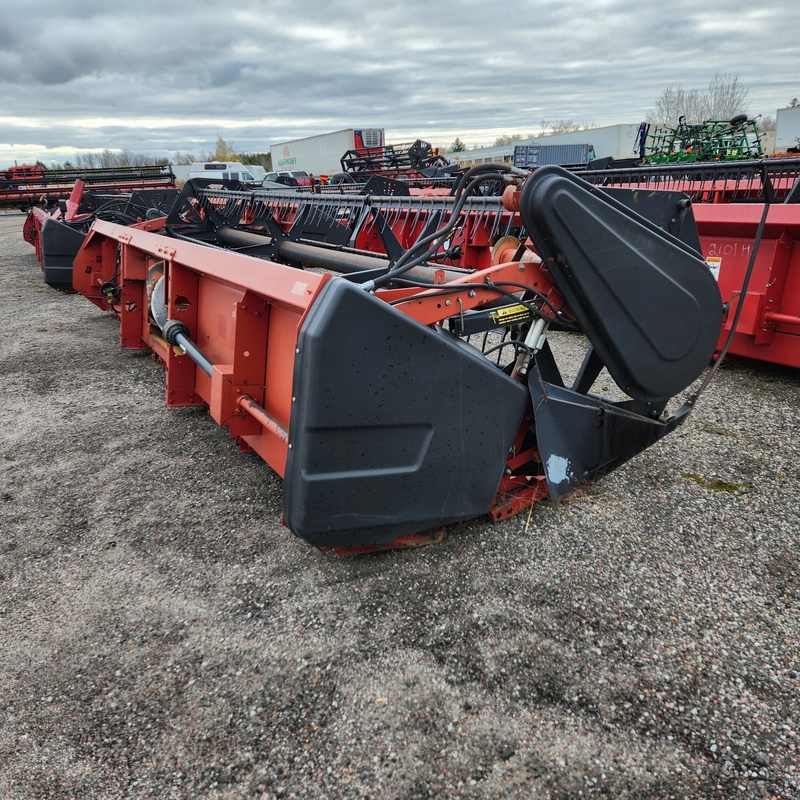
[416, 163]
[57, 232]
[748, 219]
[32, 185]
[389, 357]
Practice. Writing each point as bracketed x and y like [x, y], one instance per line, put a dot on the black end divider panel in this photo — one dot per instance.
[60, 245]
[396, 428]
[646, 300]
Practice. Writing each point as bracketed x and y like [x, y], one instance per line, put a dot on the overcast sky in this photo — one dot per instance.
[169, 77]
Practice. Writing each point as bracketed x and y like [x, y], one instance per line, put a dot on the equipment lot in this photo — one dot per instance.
[164, 636]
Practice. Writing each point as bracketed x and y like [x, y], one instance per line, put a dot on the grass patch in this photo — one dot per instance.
[715, 484]
[717, 430]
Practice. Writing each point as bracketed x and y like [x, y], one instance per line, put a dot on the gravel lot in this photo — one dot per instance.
[163, 636]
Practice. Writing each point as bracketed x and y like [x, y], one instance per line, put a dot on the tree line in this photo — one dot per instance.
[105, 159]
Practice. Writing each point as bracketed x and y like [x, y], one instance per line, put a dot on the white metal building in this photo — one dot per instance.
[617, 141]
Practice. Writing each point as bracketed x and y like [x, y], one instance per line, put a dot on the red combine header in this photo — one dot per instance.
[20, 174]
[33, 185]
[415, 161]
[58, 232]
[389, 357]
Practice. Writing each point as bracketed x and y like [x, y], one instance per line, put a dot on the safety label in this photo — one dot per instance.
[714, 264]
[509, 314]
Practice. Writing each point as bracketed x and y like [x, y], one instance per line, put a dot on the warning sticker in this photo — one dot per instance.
[714, 264]
[509, 315]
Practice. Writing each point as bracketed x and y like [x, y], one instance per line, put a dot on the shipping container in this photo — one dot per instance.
[537, 155]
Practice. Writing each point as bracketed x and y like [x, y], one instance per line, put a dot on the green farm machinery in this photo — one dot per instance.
[713, 140]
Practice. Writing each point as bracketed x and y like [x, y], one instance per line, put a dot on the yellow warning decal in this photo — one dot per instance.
[510, 314]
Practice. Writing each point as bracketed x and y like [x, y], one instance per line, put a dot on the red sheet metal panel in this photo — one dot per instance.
[768, 328]
[242, 312]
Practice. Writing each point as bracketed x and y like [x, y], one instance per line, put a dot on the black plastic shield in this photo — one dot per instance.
[647, 301]
[582, 437]
[396, 428]
[60, 245]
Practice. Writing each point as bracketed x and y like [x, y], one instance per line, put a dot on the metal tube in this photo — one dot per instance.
[784, 319]
[191, 350]
[321, 257]
[311, 255]
[238, 238]
[307, 254]
[246, 403]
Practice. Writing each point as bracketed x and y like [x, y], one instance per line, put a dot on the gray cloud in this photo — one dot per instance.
[158, 78]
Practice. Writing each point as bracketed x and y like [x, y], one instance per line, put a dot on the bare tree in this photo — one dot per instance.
[547, 128]
[183, 158]
[723, 98]
[570, 126]
[108, 159]
[87, 160]
[767, 124]
[507, 139]
[727, 96]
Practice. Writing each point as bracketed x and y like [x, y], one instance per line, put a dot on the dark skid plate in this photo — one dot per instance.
[59, 246]
[582, 437]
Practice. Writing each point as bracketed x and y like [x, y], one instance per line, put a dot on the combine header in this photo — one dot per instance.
[27, 186]
[408, 385]
[413, 162]
[748, 218]
[57, 233]
[758, 181]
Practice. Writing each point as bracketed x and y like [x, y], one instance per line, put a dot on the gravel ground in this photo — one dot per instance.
[163, 636]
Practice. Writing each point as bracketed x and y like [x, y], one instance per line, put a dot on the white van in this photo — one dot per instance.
[221, 170]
